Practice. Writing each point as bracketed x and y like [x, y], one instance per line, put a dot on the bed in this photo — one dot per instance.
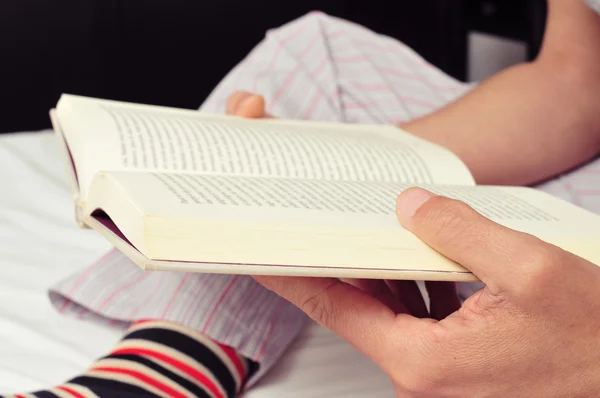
[41, 244]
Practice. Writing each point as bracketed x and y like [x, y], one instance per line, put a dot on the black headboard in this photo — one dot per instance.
[173, 52]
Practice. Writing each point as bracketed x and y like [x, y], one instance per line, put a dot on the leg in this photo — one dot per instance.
[324, 68]
[232, 310]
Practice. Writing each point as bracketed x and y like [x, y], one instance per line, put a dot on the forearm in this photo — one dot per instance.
[522, 126]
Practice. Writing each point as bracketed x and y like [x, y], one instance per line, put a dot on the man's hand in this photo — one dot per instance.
[533, 331]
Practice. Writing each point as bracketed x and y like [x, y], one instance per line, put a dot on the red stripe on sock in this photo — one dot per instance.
[230, 352]
[142, 321]
[70, 391]
[142, 377]
[19, 396]
[196, 374]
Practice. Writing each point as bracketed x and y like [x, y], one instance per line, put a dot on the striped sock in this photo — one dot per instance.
[160, 359]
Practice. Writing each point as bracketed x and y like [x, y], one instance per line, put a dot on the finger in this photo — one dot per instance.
[352, 314]
[244, 104]
[443, 299]
[234, 100]
[378, 289]
[454, 229]
[408, 292]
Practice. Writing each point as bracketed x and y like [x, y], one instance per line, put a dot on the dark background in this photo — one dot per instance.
[173, 52]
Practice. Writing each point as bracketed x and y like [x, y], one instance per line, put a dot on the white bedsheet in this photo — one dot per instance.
[40, 244]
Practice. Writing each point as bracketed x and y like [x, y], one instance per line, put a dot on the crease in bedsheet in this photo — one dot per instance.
[16, 246]
[22, 211]
[10, 325]
[17, 376]
[35, 166]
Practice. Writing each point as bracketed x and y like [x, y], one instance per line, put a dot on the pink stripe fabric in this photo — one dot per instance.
[320, 68]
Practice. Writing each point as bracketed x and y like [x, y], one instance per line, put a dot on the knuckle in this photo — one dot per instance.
[318, 305]
[312, 306]
[540, 261]
[421, 381]
[540, 264]
[229, 105]
[233, 100]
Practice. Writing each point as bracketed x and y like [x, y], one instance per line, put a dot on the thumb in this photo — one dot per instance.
[489, 250]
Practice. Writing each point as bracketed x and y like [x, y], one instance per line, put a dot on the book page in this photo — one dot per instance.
[314, 222]
[346, 203]
[146, 138]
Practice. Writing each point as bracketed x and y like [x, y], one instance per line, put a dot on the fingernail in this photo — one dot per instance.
[411, 200]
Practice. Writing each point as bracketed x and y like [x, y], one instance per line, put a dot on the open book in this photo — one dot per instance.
[180, 190]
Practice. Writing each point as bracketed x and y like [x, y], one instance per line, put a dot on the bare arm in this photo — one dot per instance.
[534, 120]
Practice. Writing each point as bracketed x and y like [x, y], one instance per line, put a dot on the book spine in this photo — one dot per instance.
[80, 214]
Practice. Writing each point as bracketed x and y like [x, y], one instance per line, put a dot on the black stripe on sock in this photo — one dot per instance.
[45, 394]
[252, 368]
[192, 348]
[107, 392]
[183, 382]
[112, 388]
